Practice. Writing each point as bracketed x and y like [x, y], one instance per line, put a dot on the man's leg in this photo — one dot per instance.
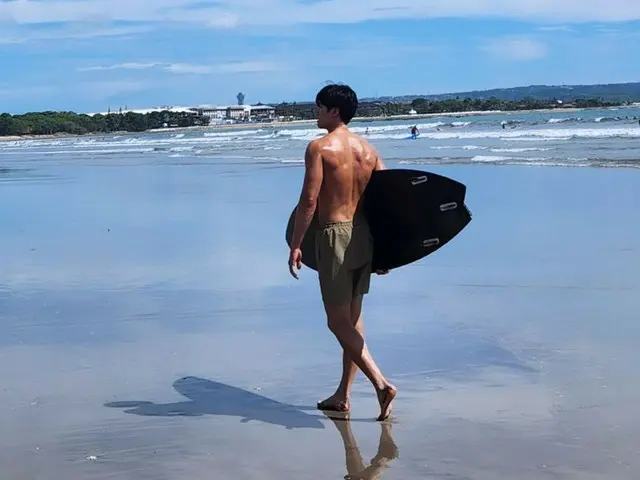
[353, 344]
[339, 285]
[340, 400]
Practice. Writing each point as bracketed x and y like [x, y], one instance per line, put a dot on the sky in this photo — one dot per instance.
[91, 55]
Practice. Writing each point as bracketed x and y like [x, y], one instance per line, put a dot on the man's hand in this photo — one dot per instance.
[295, 260]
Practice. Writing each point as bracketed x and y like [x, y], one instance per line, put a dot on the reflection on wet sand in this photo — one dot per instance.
[115, 300]
[356, 470]
[207, 397]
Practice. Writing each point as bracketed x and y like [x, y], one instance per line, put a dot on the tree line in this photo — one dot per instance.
[307, 111]
[49, 123]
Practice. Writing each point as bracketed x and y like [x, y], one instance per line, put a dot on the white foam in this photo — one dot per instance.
[607, 119]
[519, 150]
[498, 158]
[538, 139]
[97, 151]
[233, 133]
[552, 134]
[258, 137]
[564, 119]
[489, 158]
[397, 127]
[463, 147]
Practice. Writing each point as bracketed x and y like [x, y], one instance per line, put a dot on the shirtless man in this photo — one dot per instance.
[338, 167]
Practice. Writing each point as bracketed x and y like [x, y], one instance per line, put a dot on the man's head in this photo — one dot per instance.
[336, 104]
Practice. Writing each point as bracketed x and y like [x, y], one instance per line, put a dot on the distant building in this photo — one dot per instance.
[262, 113]
[216, 113]
[237, 113]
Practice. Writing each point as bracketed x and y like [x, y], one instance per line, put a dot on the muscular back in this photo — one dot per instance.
[347, 162]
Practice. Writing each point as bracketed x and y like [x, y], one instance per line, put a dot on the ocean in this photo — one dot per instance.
[581, 138]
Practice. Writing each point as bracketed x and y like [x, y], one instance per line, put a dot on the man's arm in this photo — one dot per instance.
[309, 195]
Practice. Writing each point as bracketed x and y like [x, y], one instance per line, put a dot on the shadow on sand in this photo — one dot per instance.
[207, 397]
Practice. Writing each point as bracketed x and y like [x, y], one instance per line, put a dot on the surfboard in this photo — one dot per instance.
[411, 214]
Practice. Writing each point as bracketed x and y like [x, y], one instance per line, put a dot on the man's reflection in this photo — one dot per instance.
[356, 470]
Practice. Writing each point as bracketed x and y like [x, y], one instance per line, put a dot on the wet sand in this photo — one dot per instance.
[149, 329]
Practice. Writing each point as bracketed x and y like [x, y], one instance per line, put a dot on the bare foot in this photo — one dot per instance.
[334, 403]
[385, 397]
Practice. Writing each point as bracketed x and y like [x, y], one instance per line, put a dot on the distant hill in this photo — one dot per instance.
[615, 92]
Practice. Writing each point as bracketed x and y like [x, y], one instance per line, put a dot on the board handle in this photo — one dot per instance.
[430, 242]
[445, 207]
[419, 180]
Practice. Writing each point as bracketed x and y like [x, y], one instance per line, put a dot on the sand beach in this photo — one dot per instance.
[149, 327]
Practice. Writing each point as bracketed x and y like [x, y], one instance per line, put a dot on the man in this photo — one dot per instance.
[338, 167]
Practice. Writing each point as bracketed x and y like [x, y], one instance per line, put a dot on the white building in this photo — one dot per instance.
[237, 113]
[262, 113]
[217, 113]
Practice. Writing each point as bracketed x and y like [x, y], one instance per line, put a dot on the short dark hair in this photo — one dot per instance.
[341, 97]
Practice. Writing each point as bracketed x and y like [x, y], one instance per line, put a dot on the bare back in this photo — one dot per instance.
[348, 162]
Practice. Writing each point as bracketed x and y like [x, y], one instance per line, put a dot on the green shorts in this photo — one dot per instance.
[344, 251]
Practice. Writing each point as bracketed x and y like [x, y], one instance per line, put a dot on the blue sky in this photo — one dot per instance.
[88, 55]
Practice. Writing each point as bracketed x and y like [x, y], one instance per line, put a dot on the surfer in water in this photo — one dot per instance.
[338, 167]
[414, 132]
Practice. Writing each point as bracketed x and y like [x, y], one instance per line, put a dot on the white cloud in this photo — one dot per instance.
[228, 14]
[102, 90]
[515, 49]
[70, 33]
[223, 20]
[27, 91]
[256, 66]
[33, 12]
[120, 66]
[555, 28]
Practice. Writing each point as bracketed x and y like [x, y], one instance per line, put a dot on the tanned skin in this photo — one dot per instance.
[338, 167]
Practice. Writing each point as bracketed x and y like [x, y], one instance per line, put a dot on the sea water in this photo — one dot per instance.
[580, 138]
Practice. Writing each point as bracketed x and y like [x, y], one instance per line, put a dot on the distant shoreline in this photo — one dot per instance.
[242, 126]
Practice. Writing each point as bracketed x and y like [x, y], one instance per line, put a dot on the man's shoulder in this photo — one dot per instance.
[359, 138]
[320, 142]
[314, 145]
[365, 143]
